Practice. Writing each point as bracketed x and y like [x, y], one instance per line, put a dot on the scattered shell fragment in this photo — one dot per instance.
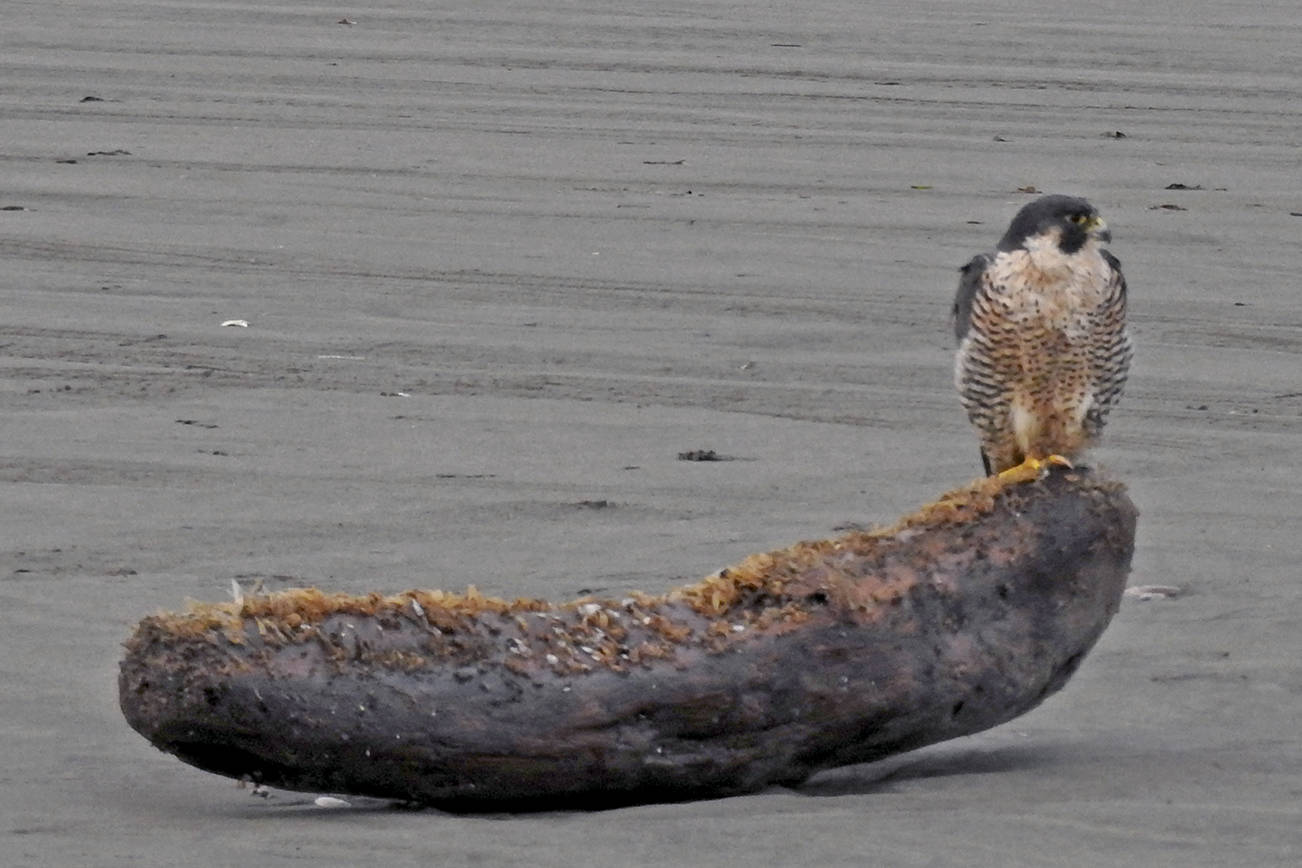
[331, 802]
[1153, 592]
[237, 323]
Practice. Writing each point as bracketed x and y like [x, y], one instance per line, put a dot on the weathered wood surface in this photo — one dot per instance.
[962, 616]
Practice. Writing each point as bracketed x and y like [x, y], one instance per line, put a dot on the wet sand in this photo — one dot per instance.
[501, 265]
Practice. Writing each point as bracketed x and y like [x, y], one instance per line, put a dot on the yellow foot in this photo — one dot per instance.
[1032, 469]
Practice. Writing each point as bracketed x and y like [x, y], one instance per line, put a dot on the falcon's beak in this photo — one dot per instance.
[1098, 228]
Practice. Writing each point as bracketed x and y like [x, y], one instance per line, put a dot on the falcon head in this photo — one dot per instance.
[1067, 222]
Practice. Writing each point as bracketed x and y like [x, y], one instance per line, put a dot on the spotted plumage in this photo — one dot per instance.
[1041, 323]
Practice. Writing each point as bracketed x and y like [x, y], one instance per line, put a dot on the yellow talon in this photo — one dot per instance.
[1032, 469]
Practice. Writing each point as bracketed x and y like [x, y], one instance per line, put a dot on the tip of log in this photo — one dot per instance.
[957, 617]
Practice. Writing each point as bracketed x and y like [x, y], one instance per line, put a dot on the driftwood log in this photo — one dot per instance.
[960, 617]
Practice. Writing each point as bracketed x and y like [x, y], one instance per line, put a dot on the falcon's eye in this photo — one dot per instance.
[1078, 218]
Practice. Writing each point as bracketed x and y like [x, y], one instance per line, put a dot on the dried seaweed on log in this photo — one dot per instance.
[959, 617]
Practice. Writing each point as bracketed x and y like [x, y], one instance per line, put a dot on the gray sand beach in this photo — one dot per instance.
[501, 262]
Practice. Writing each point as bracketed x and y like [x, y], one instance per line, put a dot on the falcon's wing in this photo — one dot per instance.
[1111, 350]
[968, 284]
[1117, 278]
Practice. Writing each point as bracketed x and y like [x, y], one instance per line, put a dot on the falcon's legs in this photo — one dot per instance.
[998, 454]
[1032, 468]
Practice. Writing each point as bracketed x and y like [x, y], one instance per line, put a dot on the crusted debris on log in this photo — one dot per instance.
[959, 617]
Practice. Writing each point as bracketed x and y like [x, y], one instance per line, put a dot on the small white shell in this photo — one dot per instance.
[1153, 592]
[238, 323]
[330, 802]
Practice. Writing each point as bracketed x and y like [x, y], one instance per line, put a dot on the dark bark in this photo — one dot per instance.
[959, 618]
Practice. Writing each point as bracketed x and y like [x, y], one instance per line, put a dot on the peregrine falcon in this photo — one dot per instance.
[1043, 350]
